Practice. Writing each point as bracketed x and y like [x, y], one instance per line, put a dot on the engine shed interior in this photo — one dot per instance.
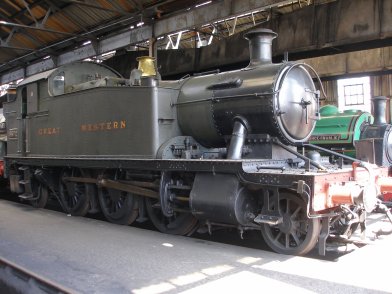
[206, 44]
[202, 116]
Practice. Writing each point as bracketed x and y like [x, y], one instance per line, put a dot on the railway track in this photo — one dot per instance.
[17, 279]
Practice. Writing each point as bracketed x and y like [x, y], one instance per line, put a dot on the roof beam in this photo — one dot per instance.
[103, 46]
[191, 19]
[31, 14]
[45, 19]
[210, 13]
[220, 10]
[14, 30]
[32, 38]
[55, 8]
[11, 34]
[23, 11]
[77, 2]
[116, 5]
[17, 25]
[4, 45]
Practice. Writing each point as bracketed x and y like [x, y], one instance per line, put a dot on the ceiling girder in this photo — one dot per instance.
[77, 2]
[172, 24]
[32, 38]
[116, 5]
[31, 14]
[137, 3]
[45, 19]
[4, 45]
[188, 20]
[55, 8]
[17, 25]
[23, 11]
[8, 40]
[14, 30]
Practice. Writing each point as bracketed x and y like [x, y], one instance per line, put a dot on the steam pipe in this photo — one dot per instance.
[240, 131]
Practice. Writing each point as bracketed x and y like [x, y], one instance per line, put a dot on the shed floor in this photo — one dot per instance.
[92, 256]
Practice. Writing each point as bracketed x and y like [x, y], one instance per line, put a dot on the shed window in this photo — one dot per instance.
[354, 94]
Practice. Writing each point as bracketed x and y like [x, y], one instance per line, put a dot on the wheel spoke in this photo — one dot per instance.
[119, 204]
[295, 237]
[293, 216]
[287, 239]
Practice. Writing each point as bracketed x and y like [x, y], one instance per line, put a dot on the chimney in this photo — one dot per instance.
[260, 46]
[379, 108]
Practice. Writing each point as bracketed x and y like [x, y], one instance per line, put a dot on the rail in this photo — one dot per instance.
[22, 280]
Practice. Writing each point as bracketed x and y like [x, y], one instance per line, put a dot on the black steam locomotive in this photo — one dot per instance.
[375, 143]
[212, 150]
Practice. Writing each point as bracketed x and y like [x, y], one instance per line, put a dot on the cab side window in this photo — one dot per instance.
[58, 84]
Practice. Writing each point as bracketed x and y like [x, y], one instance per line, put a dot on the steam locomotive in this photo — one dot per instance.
[355, 133]
[209, 150]
[339, 131]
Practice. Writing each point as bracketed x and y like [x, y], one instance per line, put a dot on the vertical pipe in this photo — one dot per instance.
[379, 108]
[260, 46]
[238, 137]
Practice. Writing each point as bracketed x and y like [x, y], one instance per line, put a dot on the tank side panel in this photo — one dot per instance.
[119, 121]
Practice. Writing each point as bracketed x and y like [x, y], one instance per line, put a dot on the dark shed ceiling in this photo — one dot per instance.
[29, 25]
[32, 30]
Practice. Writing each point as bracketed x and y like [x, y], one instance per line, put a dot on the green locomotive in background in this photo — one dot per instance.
[356, 133]
[339, 131]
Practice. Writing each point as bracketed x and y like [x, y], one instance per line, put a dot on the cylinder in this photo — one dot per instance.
[221, 198]
[379, 108]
